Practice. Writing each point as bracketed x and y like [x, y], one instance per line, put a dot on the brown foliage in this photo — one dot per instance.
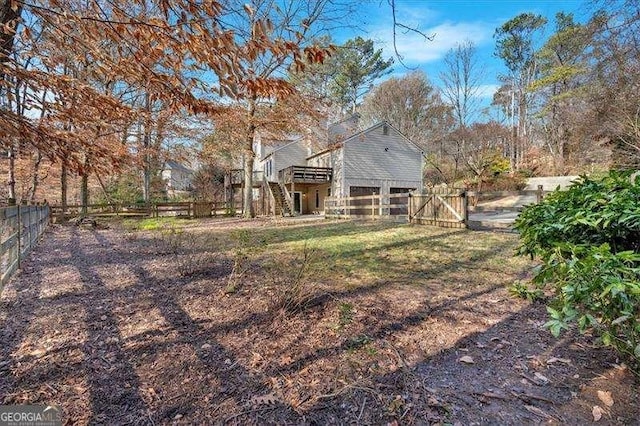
[89, 57]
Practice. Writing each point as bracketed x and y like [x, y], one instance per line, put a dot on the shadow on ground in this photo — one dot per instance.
[105, 331]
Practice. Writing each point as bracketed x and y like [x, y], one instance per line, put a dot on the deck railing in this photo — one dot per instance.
[304, 174]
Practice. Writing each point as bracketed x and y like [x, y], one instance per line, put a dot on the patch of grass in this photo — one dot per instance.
[150, 224]
[369, 253]
[361, 256]
[361, 341]
[345, 312]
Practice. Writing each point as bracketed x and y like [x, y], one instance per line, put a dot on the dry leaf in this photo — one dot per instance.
[541, 377]
[467, 360]
[606, 398]
[597, 413]
[537, 411]
[268, 399]
[562, 360]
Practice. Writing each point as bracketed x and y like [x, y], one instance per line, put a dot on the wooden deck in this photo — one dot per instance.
[303, 174]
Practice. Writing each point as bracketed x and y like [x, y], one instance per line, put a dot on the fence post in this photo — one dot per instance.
[434, 216]
[19, 222]
[373, 203]
[539, 195]
[29, 233]
[465, 208]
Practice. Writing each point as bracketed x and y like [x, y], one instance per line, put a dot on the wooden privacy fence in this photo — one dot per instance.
[444, 207]
[387, 206]
[187, 208]
[21, 228]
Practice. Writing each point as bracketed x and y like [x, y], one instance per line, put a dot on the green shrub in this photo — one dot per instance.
[588, 239]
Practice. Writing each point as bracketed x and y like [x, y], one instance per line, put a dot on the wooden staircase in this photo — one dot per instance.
[282, 205]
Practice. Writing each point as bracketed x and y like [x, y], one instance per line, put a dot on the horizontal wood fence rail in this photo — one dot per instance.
[387, 206]
[183, 208]
[505, 193]
[21, 228]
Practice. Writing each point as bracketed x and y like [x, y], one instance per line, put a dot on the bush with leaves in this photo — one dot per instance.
[588, 239]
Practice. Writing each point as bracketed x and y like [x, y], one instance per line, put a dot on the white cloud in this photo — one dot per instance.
[487, 90]
[414, 49]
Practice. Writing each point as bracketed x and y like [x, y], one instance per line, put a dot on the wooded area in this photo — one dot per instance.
[106, 93]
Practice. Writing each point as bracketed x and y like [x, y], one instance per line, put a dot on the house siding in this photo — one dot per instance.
[176, 179]
[335, 160]
[310, 200]
[379, 160]
[293, 154]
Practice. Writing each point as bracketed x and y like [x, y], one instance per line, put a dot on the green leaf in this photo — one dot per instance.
[553, 313]
[555, 327]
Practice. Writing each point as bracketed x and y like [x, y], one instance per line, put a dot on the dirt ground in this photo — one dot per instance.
[119, 328]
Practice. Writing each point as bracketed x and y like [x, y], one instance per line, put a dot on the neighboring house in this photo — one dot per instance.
[291, 177]
[176, 176]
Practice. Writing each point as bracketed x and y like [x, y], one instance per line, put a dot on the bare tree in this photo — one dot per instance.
[413, 105]
[461, 82]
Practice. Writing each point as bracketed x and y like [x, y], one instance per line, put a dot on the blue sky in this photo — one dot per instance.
[452, 22]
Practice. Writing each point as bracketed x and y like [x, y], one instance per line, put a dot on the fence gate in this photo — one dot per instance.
[444, 207]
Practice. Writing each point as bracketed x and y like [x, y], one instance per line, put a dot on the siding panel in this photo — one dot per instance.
[374, 157]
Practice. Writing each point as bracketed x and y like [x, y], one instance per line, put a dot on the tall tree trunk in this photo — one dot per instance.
[249, 154]
[146, 159]
[12, 175]
[35, 176]
[10, 13]
[84, 187]
[37, 161]
[247, 203]
[84, 192]
[63, 187]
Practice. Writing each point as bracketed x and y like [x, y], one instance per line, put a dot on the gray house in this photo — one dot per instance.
[295, 178]
[177, 177]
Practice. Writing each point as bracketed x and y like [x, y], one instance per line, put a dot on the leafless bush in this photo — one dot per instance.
[293, 292]
[246, 246]
[190, 253]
